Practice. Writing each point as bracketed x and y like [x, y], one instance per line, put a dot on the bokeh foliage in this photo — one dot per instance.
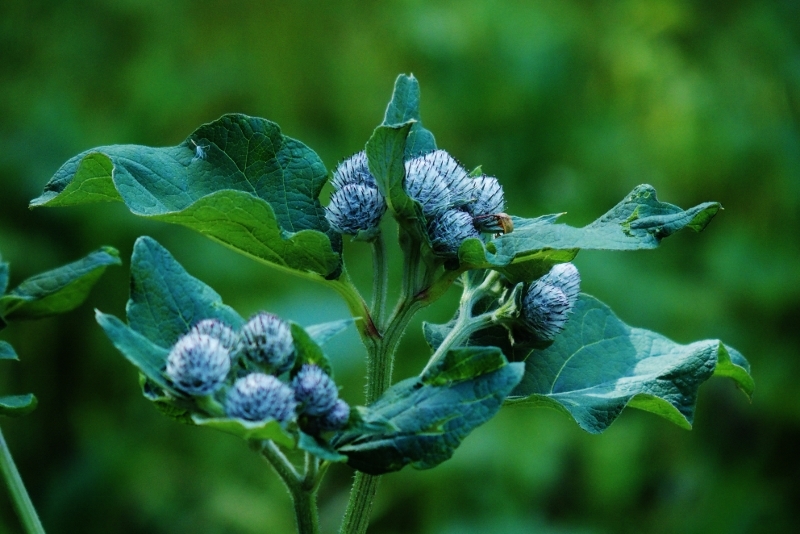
[571, 104]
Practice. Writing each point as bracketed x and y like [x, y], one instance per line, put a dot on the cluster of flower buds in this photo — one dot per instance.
[356, 205]
[456, 205]
[252, 372]
[548, 301]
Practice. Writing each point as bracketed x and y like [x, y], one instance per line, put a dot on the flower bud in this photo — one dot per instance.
[426, 183]
[544, 310]
[489, 198]
[448, 230]
[257, 397]
[314, 390]
[336, 418]
[564, 276]
[198, 364]
[354, 208]
[353, 170]
[218, 330]
[267, 340]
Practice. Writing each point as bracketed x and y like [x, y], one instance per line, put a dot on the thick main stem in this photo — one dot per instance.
[22, 502]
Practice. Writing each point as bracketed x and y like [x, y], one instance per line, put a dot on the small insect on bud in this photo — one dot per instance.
[355, 208]
[426, 182]
[198, 364]
[489, 197]
[544, 310]
[218, 330]
[499, 223]
[267, 340]
[353, 170]
[564, 276]
[257, 397]
[336, 418]
[314, 390]
[448, 230]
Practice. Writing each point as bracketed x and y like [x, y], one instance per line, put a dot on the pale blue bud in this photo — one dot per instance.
[353, 170]
[218, 330]
[448, 230]
[488, 197]
[336, 418]
[426, 183]
[198, 364]
[314, 390]
[266, 339]
[355, 208]
[257, 397]
[544, 310]
[564, 276]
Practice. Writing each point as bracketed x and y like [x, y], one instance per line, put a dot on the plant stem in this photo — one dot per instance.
[380, 281]
[303, 489]
[22, 502]
[362, 495]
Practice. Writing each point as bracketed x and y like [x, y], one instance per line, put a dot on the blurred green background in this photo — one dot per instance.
[570, 103]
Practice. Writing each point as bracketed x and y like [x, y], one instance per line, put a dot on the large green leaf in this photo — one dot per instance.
[599, 365]
[640, 221]
[59, 290]
[429, 416]
[17, 405]
[254, 190]
[166, 301]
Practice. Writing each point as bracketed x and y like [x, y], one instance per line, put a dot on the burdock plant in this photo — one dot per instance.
[522, 333]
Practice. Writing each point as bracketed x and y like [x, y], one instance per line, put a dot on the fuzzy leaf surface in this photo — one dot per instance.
[17, 405]
[59, 290]
[599, 365]
[640, 221]
[254, 190]
[404, 107]
[427, 417]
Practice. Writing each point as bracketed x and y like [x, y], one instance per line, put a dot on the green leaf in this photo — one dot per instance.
[319, 448]
[17, 405]
[166, 301]
[255, 190]
[3, 277]
[148, 357]
[385, 151]
[308, 352]
[640, 221]
[433, 414]
[7, 352]
[249, 430]
[323, 332]
[59, 290]
[599, 365]
[404, 107]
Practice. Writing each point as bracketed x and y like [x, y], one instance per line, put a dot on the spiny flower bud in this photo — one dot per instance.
[564, 276]
[336, 418]
[257, 397]
[353, 170]
[218, 330]
[489, 198]
[544, 310]
[354, 208]
[425, 183]
[448, 230]
[198, 364]
[267, 340]
[314, 390]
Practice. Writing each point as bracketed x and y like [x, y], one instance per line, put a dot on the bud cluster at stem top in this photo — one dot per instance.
[456, 206]
[245, 369]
